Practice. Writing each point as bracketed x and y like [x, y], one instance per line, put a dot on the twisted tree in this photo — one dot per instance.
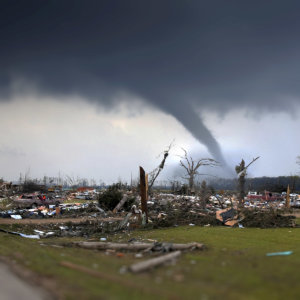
[192, 166]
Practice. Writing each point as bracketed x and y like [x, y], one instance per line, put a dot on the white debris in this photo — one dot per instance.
[30, 236]
[16, 217]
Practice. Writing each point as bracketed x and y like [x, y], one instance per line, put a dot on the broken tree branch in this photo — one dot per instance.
[253, 160]
[154, 174]
[153, 262]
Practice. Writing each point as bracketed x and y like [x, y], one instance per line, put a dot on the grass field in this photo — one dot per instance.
[234, 265]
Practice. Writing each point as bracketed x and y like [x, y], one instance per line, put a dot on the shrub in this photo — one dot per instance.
[110, 198]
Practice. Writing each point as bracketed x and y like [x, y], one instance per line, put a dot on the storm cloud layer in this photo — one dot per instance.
[177, 55]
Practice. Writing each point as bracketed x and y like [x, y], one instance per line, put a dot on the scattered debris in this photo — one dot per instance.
[280, 253]
[16, 217]
[44, 234]
[29, 236]
[227, 216]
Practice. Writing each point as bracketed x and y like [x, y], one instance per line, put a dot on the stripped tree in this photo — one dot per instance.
[241, 170]
[204, 194]
[192, 166]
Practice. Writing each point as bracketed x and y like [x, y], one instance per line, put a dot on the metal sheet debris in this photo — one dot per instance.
[284, 253]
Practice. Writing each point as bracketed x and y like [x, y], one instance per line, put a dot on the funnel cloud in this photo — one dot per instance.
[176, 55]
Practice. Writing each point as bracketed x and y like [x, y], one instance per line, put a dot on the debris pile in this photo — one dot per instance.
[118, 209]
[266, 219]
[67, 210]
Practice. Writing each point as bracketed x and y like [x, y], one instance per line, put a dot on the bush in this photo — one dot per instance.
[110, 198]
[31, 187]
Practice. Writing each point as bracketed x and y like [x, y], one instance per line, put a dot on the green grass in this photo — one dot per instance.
[234, 265]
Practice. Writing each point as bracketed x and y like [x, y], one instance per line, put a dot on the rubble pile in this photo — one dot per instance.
[174, 210]
[163, 210]
[266, 219]
[67, 210]
[82, 229]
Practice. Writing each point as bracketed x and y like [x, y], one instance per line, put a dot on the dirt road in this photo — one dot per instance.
[57, 220]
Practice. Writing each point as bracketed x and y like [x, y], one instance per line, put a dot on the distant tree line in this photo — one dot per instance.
[274, 184]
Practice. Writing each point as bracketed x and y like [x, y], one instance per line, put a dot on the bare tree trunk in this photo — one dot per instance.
[191, 183]
[241, 171]
[242, 193]
[120, 204]
[203, 194]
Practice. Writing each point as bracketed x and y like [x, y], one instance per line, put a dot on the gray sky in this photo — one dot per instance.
[95, 88]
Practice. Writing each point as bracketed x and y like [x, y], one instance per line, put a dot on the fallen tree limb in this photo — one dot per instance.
[136, 246]
[153, 262]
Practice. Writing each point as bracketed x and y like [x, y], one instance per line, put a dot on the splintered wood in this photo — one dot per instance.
[143, 189]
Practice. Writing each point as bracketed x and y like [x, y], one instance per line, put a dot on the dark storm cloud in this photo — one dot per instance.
[175, 54]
